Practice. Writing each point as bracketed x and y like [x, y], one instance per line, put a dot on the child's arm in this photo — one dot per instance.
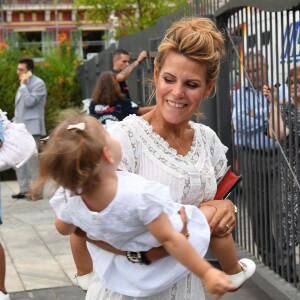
[216, 282]
[64, 228]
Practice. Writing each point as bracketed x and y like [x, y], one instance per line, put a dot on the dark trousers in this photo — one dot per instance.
[259, 176]
[260, 193]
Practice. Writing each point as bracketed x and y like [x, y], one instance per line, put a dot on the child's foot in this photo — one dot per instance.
[4, 296]
[83, 281]
[248, 268]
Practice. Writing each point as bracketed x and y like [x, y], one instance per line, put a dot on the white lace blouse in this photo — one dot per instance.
[191, 178]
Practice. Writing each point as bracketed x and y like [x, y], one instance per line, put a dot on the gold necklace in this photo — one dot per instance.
[183, 152]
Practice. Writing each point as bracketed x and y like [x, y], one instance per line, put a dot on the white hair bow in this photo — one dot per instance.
[80, 126]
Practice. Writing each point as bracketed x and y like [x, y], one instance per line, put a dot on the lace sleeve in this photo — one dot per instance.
[218, 152]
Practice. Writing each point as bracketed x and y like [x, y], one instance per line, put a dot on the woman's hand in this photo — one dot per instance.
[223, 221]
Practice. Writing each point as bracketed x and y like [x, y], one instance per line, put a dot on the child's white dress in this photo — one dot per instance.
[19, 145]
[122, 224]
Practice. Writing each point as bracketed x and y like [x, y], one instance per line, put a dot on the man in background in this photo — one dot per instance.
[257, 154]
[122, 69]
[30, 103]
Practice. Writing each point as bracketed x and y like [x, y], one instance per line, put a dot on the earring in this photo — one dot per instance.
[214, 92]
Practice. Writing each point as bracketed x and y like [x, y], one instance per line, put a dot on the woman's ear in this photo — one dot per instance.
[209, 89]
[106, 155]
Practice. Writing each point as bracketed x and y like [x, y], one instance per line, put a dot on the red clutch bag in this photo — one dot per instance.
[226, 184]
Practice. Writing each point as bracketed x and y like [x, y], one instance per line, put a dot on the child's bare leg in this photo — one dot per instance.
[223, 247]
[81, 255]
[2, 270]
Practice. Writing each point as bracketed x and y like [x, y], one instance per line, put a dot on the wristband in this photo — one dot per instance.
[138, 257]
[139, 61]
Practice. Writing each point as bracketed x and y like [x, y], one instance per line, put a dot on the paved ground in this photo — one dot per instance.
[39, 260]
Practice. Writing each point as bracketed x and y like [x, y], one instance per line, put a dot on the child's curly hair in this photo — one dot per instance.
[72, 156]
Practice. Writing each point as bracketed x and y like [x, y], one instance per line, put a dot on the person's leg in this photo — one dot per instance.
[2, 270]
[27, 173]
[81, 255]
[32, 173]
[21, 178]
[223, 248]
[83, 262]
[33, 162]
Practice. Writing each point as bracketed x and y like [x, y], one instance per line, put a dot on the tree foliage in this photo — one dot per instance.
[58, 69]
[133, 15]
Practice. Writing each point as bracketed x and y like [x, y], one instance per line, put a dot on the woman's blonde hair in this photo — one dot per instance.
[197, 39]
[72, 156]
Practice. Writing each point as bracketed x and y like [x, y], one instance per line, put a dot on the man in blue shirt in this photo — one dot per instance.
[250, 111]
[257, 156]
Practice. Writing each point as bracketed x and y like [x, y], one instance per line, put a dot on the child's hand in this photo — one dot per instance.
[217, 283]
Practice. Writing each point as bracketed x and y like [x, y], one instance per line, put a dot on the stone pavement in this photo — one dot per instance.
[39, 260]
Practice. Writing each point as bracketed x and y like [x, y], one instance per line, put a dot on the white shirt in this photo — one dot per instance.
[123, 223]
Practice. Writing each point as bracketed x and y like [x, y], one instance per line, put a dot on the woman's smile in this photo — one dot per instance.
[175, 104]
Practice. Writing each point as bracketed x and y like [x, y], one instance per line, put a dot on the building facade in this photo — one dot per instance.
[42, 23]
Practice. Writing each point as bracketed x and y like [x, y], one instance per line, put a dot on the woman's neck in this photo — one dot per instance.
[178, 136]
[164, 128]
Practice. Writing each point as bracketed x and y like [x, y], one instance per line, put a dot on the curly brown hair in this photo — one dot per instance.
[72, 156]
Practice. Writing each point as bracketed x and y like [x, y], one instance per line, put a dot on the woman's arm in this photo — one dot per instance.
[105, 246]
[151, 255]
[277, 128]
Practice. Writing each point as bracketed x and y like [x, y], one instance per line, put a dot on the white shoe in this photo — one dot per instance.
[83, 281]
[248, 268]
[4, 296]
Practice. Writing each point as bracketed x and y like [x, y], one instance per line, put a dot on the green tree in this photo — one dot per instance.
[133, 15]
[58, 69]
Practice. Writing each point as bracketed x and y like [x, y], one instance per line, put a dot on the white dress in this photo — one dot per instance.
[191, 179]
[19, 145]
[122, 224]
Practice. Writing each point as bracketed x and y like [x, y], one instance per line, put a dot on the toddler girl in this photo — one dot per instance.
[132, 214]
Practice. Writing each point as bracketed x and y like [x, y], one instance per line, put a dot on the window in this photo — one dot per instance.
[92, 41]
